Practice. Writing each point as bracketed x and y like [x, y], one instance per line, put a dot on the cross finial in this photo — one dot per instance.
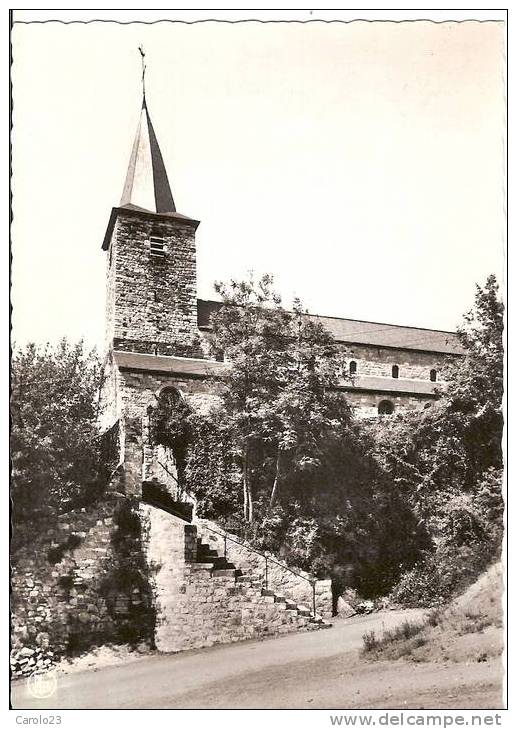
[141, 49]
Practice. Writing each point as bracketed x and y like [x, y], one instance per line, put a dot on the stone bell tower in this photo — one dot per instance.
[151, 272]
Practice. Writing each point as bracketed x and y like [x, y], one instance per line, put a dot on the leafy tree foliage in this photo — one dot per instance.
[275, 393]
[171, 427]
[212, 468]
[448, 461]
[55, 447]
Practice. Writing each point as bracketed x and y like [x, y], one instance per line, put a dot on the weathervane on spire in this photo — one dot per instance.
[141, 49]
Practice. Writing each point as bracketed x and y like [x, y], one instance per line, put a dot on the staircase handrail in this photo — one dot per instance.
[311, 580]
[171, 474]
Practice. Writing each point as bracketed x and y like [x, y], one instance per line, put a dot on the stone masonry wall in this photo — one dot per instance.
[67, 591]
[137, 390]
[196, 607]
[111, 404]
[151, 300]
[280, 580]
[378, 361]
[365, 404]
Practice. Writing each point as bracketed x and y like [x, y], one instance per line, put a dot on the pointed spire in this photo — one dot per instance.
[147, 185]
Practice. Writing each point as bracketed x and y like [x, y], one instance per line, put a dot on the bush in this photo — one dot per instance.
[55, 443]
[435, 617]
[370, 642]
[440, 575]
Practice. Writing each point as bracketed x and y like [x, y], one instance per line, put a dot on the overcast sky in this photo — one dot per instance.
[362, 164]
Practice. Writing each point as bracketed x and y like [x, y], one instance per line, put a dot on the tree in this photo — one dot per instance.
[448, 459]
[275, 392]
[55, 446]
[213, 467]
[475, 385]
[305, 412]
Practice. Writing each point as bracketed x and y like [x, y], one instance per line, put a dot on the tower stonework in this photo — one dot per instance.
[151, 284]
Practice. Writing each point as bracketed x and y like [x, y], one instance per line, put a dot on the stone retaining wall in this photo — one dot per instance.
[73, 587]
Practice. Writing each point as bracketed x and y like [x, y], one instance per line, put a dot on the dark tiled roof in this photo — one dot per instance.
[137, 211]
[162, 363]
[353, 331]
[392, 385]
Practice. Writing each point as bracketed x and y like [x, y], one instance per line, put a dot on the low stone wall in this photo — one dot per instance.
[77, 584]
[297, 587]
[196, 607]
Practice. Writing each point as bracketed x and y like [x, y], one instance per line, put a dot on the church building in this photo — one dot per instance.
[158, 331]
[190, 583]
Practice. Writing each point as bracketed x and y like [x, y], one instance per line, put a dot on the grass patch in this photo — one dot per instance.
[403, 637]
[467, 630]
[474, 623]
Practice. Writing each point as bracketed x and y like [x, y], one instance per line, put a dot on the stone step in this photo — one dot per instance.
[246, 581]
[224, 573]
[220, 561]
[207, 552]
[292, 613]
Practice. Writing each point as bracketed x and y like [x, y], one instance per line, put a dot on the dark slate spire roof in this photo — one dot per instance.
[147, 190]
[147, 185]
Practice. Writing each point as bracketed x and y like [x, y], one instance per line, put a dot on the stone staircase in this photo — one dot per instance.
[244, 583]
[201, 597]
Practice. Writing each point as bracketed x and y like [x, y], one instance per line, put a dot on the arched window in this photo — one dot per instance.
[352, 367]
[395, 371]
[169, 425]
[168, 396]
[432, 375]
[385, 407]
